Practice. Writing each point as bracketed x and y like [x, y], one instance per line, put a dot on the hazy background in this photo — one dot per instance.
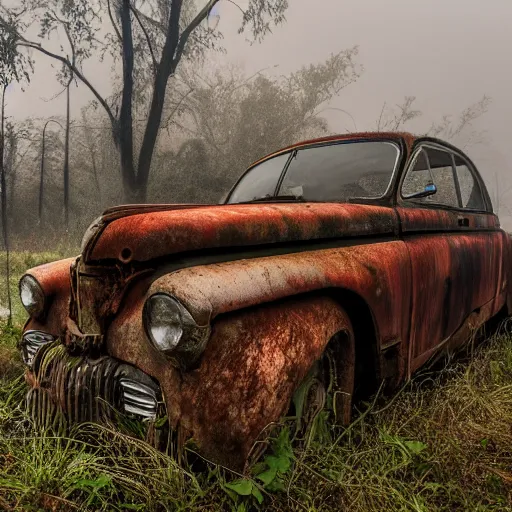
[446, 53]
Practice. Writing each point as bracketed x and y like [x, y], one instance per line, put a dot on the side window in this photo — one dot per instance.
[432, 166]
[470, 192]
[418, 177]
[441, 166]
[260, 181]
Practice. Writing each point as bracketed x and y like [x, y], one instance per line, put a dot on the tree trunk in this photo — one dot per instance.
[132, 194]
[125, 126]
[3, 185]
[11, 168]
[66, 157]
[166, 67]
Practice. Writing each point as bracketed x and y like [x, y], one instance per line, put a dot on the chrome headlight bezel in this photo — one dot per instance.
[32, 296]
[163, 313]
[180, 339]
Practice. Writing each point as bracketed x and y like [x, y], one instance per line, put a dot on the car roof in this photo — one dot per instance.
[406, 137]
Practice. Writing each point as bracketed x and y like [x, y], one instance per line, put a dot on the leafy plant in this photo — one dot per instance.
[243, 487]
[275, 465]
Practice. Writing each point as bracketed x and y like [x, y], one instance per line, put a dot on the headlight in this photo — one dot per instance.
[172, 330]
[32, 296]
[164, 321]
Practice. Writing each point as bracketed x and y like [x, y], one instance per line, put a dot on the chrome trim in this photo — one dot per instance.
[138, 392]
[31, 342]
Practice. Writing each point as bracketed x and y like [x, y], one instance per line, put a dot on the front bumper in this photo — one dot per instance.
[82, 389]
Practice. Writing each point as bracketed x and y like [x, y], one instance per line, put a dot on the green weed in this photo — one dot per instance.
[442, 444]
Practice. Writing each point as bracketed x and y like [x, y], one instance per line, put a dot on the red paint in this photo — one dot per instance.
[274, 282]
[165, 233]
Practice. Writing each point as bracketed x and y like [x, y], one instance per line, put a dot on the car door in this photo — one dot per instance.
[454, 243]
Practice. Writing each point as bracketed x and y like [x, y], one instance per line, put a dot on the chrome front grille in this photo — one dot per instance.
[82, 390]
[31, 342]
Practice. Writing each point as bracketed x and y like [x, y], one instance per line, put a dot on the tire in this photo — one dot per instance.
[329, 384]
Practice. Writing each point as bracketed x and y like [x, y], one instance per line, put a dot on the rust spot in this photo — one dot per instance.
[163, 233]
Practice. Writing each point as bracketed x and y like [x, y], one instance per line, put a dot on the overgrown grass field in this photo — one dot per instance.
[443, 443]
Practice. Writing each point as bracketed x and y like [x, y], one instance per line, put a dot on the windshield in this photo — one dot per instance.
[336, 172]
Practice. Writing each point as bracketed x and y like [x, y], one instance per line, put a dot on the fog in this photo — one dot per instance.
[447, 54]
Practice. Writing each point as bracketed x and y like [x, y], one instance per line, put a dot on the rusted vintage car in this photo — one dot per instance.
[351, 260]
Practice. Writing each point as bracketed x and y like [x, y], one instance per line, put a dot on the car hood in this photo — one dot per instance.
[142, 233]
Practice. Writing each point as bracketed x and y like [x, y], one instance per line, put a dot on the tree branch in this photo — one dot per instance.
[176, 108]
[146, 35]
[71, 44]
[30, 44]
[186, 33]
[155, 23]
[110, 15]
[235, 4]
[380, 117]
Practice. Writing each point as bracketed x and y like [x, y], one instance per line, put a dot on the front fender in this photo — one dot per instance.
[271, 319]
[377, 272]
[54, 279]
[254, 361]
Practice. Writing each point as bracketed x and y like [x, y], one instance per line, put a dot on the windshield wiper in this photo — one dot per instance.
[271, 199]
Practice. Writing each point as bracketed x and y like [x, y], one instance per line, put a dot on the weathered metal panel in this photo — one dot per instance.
[379, 273]
[424, 220]
[452, 275]
[252, 364]
[143, 237]
[254, 361]
[54, 279]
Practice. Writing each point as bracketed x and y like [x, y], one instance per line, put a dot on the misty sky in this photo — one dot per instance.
[447, 53]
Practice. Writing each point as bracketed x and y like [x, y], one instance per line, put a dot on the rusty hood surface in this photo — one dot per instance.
[147, 232]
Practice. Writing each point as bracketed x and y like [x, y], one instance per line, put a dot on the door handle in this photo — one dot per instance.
[463, 222]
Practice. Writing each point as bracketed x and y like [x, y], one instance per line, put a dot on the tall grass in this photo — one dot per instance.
[443, 443]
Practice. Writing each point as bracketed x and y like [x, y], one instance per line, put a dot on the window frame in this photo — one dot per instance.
[477, 180]
[389, 193]
[432, 144]
[259, 162]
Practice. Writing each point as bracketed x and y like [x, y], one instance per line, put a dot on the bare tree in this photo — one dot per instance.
[13, 68]
[224, 120]
[450, 127]
[453, 127]
[150, 37]
[393, 119]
